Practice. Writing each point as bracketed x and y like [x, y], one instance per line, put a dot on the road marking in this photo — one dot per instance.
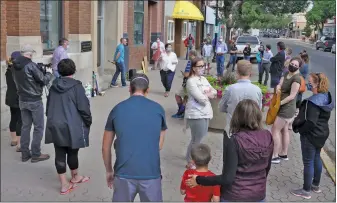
[328, 164]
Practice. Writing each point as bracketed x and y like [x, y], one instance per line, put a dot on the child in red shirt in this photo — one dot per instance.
[201, 156]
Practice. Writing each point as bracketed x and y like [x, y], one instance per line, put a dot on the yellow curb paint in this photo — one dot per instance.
[328, 164]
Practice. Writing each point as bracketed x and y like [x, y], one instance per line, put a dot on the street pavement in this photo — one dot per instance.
[39, 182]
[324, 62]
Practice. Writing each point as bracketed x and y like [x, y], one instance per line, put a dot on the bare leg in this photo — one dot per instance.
[18, 147]
[276, 132]
[285, 139]
[14, 137]
[64, 182]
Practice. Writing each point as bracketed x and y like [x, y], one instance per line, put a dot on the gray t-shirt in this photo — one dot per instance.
[288, 110]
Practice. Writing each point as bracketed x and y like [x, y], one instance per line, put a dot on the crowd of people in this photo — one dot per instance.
[249, 148]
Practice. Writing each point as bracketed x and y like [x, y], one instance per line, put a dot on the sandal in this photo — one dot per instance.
[71, 187]
[84, 179]
[18, 149]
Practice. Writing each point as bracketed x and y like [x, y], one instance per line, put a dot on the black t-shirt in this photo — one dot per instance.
[233, 48]
[247, 51]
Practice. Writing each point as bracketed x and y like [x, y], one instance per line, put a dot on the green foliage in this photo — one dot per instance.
[321, 11]
[264, 13]
[307, 29]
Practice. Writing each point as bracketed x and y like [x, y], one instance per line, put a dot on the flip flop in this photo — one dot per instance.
[84, 179]
[72, 186]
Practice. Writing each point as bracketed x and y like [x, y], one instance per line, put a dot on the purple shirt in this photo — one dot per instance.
[59, 53]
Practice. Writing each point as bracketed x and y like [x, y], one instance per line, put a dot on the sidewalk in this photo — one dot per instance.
[39, 182]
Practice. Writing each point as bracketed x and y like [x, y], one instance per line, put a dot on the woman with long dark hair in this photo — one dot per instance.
[198, 110]
[246, 157]
[312, 123]
[12, 100]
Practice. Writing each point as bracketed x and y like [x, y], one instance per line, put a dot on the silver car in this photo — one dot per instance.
[333, 49]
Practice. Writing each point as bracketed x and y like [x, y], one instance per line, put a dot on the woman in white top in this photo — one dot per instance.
[158, 47]
[168, 63]
[198, 108]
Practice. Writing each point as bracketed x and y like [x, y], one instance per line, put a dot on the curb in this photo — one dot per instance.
[329, 165]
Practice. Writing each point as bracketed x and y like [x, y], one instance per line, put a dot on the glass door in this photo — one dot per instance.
[100, 37]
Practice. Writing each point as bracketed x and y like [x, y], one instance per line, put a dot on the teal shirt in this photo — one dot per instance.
[120, 49]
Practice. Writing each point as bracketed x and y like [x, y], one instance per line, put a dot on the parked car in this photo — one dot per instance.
[254, 45]
[325, 43]
[333, 49]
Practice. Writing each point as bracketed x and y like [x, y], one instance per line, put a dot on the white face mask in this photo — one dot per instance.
[158, 40]
[169, 49]
[220, 40]
[67, 47]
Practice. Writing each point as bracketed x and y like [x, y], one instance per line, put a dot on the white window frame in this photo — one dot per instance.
[170, 31]
[184, 30]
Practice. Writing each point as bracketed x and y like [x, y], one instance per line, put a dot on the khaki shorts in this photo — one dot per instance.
[208, 59]
[182, 92]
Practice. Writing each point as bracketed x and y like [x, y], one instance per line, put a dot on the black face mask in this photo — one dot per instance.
[292, 68]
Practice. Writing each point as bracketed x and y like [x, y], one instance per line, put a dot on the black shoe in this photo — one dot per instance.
[42, 157]
[25, 158]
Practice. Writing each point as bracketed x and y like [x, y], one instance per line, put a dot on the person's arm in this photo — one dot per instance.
[278, 87]
[183, 185]
[195, 92]
[295, 86]
[225, 48]
[216, 194]
[223, 104]
[154, 46]
[269, 164]
[64, 55]
[230, 165]
[118, 55]
[175, 59]
[204, 50]
[163, 129]
[38, 75]
[260, 99]
[47, 105]
[277, 57]
[108, 138]
[83, 105]
[311, 116]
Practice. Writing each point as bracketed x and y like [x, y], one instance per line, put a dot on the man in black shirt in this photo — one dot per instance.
[232, 60]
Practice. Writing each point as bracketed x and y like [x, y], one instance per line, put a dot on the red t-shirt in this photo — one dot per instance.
[199, 193]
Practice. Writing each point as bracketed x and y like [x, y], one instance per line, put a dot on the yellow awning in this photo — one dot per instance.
[187, 11]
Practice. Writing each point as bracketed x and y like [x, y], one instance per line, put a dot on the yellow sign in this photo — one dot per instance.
[187, 11]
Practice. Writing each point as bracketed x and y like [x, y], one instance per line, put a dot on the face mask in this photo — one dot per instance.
[200, 72]
[67, 47]
[309, 87]
[158, 40]
[169, 49]
[220, 40]
[292, 68]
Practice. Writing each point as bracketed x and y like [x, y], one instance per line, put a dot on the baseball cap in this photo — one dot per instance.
[27, 49]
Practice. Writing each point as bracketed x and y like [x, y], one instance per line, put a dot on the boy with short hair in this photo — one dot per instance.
[207, 54]
[201, 156]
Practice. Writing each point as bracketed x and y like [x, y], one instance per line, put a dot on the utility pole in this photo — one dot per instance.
[216, 27]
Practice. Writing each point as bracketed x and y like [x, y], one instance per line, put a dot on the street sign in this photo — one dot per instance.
[216, 29]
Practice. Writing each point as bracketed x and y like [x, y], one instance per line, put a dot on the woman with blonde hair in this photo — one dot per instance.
[312, 123]
[289, 86]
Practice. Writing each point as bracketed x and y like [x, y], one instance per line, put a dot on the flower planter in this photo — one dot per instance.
[219, 118]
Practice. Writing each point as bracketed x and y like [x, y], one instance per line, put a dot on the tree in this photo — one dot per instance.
[307, 29]
[321, 11]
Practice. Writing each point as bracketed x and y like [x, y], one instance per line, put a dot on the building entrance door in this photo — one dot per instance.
[100, 36]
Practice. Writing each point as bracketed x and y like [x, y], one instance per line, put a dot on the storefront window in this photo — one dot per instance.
[50, 23]
[138, 22]
[170, 31]
[184, 30]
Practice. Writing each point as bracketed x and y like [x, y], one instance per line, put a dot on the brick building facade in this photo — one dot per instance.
[41, 24]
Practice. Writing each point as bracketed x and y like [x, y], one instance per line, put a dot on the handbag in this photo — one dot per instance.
[273, 108]
[303, 85]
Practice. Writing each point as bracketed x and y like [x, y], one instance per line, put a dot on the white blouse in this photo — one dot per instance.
[168, 61]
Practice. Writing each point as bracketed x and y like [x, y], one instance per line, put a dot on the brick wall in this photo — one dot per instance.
[66, 16]
[137, 52]
[23, 18]
[3, 30]
[79, 17]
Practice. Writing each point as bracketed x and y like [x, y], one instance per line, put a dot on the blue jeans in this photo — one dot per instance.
[120, 69]
[232, 60]
[31, 113]
[312, 164]
[188, 50]
[220, 63]
[246, 58]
